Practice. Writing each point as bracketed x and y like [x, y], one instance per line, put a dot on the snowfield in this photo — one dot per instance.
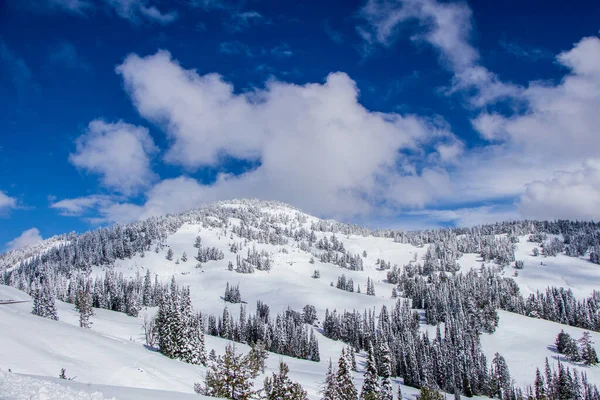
[111, 361]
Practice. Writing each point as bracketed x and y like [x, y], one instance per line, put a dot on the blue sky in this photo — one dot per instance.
[391, 113]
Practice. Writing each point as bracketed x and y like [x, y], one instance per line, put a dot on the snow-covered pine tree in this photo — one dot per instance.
[192, 349]
[169, 255]
[44, 303]
[588, 353]
[257, 357]
[345, 382]
[83, 304]
[500, 383]
[370, 388]
[330, 386]
[230, 377]
[313, 348]
[280, 386]
[385, 371]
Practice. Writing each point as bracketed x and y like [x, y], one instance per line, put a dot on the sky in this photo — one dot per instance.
[389, 113]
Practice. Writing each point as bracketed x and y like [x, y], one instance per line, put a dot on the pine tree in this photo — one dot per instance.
[540, 389]
[370, 388]
[184, 257]
[385, 371]
[83, 304]
[230, 377]
[588, 353]
[169, 255]
[427, 393]
[345, 383]
[280, 386]
[499, 377]
[330, 386]
[561, 342]
[44, 304]
[257, 357]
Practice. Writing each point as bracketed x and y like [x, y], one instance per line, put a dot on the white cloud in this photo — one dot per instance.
[82, 205]
[568, 195]
[29, 237]
[240, 21]
[469, 216]
[316, 145]
[7, 202]
[119, 152]
[136, 10]
[447, 27]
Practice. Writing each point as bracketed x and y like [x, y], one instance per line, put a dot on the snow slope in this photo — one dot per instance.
[112, 356]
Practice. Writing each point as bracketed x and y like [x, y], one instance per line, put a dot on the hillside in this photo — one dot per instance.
[271, 251]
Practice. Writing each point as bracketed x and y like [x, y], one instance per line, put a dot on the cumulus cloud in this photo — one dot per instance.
[568, 195]
[28, 237]
[7, 202]
[119, 152]
[446, 27]
[316, 146]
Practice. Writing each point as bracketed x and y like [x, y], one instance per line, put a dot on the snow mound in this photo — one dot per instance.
[15, 387]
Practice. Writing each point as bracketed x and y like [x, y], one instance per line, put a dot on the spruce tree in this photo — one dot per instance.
[588, 353]
[370, 388]
[230, 377]
[280, 386]
[345, 382]
[385, 371]
[330, 386]
[83, 304]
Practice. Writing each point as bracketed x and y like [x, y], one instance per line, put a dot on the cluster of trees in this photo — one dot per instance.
[453, 362]
[254, 259]
[561, 384]
[206, 254]
[232, 294]
[178, 329]
[345, 284]
[481, 293]
[560, 305]
[285, 334]
[581, 350]
[231, 376]
[44, 304]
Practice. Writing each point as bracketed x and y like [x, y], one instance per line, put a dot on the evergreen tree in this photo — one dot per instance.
[257, 357]
[169, 255]
[280, 386]
[588, 353]
[385, 371]
[330, 386]
[44, 303]
[370, 388]
[561, 342]
[345, 382]
[230, 377]
[427, 393]
[500, 383]
[540, 389]
[83, 304]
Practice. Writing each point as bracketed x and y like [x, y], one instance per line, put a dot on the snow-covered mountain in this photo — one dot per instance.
[286, 259]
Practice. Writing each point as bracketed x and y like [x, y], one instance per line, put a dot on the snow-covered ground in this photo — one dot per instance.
[111, 357]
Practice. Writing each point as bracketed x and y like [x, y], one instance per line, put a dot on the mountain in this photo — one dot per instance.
[484, 286]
